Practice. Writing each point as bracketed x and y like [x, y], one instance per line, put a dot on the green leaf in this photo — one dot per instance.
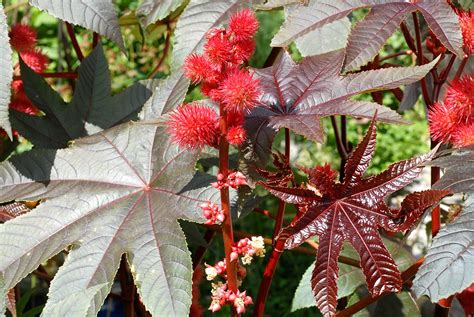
[448, 265]
[6, 69]
[98, 15]
[117, 192]
[92, 107]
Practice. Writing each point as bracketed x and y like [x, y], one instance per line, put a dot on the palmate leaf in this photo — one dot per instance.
[92, 107]
[353, 211]
[119, 191]
[96, 15]
[6, 69]
[296, 96]
[369, 35]
[447, 269]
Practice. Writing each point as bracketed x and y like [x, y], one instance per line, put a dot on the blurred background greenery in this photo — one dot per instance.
[144, 50]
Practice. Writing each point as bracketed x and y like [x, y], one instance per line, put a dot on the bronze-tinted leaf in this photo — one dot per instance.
[354, 211]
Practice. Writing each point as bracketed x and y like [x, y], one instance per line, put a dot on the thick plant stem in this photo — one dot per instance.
[72, 75]
[419, 56]
[75, 44]
[281, 203]
[267, 278]
[165, 54]
[227, 229]
[461, 68]
[277, 249]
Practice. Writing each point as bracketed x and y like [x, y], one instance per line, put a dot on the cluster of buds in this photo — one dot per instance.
[212, 213]
[23, 39]
[234, 180]
[221, 296]
[452, 121]
[220, 72]
[247, 248]
[213, 271]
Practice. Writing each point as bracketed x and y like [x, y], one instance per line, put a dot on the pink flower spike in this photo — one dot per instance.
[243, 25]
[239, 92]
[194, 126]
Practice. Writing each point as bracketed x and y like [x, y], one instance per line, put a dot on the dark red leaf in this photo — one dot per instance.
[354, 211]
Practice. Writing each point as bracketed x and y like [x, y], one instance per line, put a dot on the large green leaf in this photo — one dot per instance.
[448, 267]
[92, 107]
[350, 277]
[117, 192]
[96, 15]
[6, 69]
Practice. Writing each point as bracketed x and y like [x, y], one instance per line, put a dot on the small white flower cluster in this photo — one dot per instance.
[247, 248]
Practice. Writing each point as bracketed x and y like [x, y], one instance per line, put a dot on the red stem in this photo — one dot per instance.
[95, 39]
[72, 75]
[75, 44]
[267, 278]
[408, 52]
[227, 229]
[461, 68]
[264, 212]
[277, 248]
[165, 53]
[281, 203]
[419, 55]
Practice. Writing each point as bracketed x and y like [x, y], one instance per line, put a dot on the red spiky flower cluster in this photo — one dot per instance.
[223, 79]
[452, 121]
[23, 39]
[194, 125]
[466, 21]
